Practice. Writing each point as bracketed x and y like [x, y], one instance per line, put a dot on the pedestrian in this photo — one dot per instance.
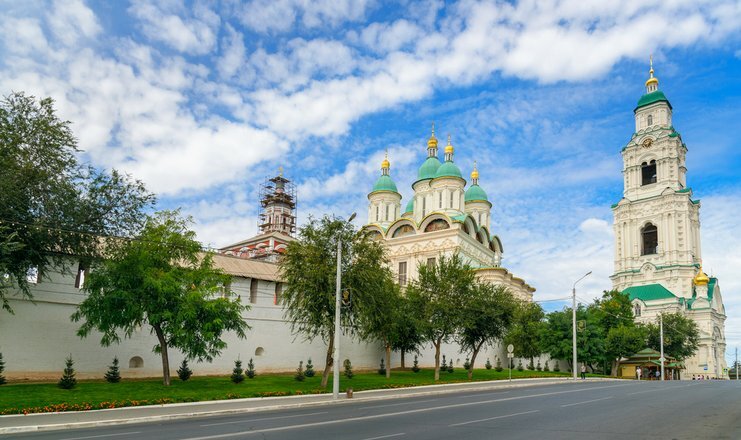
[638, 372]
[583, 371]
[658, 375]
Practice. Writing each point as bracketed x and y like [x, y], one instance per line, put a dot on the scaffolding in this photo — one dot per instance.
[277, 206]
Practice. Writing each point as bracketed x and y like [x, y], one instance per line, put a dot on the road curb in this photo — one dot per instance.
[280, 403]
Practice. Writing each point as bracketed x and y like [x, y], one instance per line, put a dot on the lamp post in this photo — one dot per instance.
[337, 303]
[573, 322]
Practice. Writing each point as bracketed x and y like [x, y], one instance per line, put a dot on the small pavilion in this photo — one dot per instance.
[648, 360]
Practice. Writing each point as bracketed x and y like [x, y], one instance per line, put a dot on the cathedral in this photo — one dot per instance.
[658, 258]
[442, 217]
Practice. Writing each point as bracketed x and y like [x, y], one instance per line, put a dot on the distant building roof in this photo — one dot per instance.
[649, 292]
[241, 267]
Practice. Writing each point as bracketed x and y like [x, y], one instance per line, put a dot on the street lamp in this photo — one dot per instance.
[337, 301]
[573, 319]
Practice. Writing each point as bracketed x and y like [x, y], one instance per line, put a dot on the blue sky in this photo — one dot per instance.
[203, 100]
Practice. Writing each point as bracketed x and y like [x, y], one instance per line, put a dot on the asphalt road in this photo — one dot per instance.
[597, 410]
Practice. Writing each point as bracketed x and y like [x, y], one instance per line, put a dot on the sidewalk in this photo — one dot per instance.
[138, 414]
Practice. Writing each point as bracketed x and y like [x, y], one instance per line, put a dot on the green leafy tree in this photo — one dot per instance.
[184, 372]
[309, 369]
[524, 331]
[68, 380]
[237, 372]
[51, 205]
[251, 369]
[300, 375]
[681, 336]
[378, 316]
[406, 336]
[3, 381]
[437, 296]
[556, 336]
[487, 315]
[623, 341]
[163, 280]
[309, 268]
[113, 375]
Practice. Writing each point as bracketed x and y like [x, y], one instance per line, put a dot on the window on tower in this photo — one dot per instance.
[650, 120]
[650, 239]
[648, 172]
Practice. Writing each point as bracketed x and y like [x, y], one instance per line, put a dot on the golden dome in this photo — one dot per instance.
[386, 163]
[432, 142]
[701, 279]
[474, 173]
[449, 147]
[651, 79]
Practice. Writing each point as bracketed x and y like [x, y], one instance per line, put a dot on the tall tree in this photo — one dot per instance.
[437, 297]
[487, 315]
[406, 335]
[163, 280]
[556, 336]
[524, 333]
[51, 205]
[623, 341]
[309, 268]
[681, 336]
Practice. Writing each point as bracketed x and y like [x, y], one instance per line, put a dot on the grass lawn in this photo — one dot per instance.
[18, 398]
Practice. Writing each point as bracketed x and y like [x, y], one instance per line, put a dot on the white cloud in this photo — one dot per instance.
[71, 20]
[280, 15]
[193, 33]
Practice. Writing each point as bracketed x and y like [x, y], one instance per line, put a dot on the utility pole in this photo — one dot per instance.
[661, 338]
[573, 323]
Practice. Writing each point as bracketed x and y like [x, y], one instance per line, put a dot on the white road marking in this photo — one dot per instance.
[484, 393]
[493, 418]
[103, 435]
[586, 401]
[264, 418]
[379, 416]
[396, 404]
[385, 436]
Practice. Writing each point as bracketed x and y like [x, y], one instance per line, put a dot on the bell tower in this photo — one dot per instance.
[657, 223]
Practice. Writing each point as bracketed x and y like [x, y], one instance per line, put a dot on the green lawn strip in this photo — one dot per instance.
[18, 398]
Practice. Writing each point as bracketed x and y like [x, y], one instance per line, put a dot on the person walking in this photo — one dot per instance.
[583, 371]
[638, 372]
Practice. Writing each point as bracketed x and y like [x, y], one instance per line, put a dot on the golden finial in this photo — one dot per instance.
[701, 279]
[449, 147]
[475, 172]
[432, 142]
[386, 164]
[651, 79]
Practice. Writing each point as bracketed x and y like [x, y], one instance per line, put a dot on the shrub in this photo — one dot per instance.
[450, 366]
[237, 372]
[539, 368]
[113, 375]
[467, 364]
[382, 369]
[519, 365]
[499, 365]
[444, 365]
[530, 366]
[545, 367]
[488, 364]
[348, 369]
[309, 372]
[556, 368]
[415, 367]
[68, 380]
[184, 372]
[2, 368]
[300, 376]
[251, 369]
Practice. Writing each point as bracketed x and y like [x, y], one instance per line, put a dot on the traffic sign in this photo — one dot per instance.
[662, 359]
[510, 348]
[510, 355]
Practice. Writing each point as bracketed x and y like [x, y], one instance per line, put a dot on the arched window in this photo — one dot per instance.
[650, 120]
[403, 231]
[440, 202]
[387, 212]
[451, 200]
[437, 225]
[649, 239]
[136, 362]
[637, 310]
[260, 351]
[648, 172]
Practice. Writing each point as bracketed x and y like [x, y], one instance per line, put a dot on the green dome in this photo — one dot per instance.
[410, 206]
[650, 98]
[448, 169]
[384, 183]
[475, 193]
[428, 168]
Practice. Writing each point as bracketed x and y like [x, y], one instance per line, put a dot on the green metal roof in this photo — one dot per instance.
[684, 190]
[410, 206]
[385, 183]
[428, 168]
[448, 169]
[475, 193]
[650, 98]
[650, 292]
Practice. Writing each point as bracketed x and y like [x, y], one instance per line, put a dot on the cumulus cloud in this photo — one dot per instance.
[186, 30]
[280, 15]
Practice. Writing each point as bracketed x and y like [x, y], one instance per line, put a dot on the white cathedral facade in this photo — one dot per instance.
[658, 258]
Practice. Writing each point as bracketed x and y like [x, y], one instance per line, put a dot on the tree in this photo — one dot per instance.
[309, 268]
[487, 315]
[437, 296]
[163, 280]
[300, 376]
[184, 372]
[68, 380]
[251, 369]
[309, 369]
[379, 316]
[51, 205]
[623, 341]
[681, 336]
[556, 336]
[524, 332]
[113, 375]
[406, 337]
[237, 372]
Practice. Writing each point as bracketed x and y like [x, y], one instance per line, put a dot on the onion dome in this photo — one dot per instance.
[410, 207]
[385, 182]
[475, 193]
[701, 279]
[432, 142]
[653, 94]
[428, 168]
[448, 169]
